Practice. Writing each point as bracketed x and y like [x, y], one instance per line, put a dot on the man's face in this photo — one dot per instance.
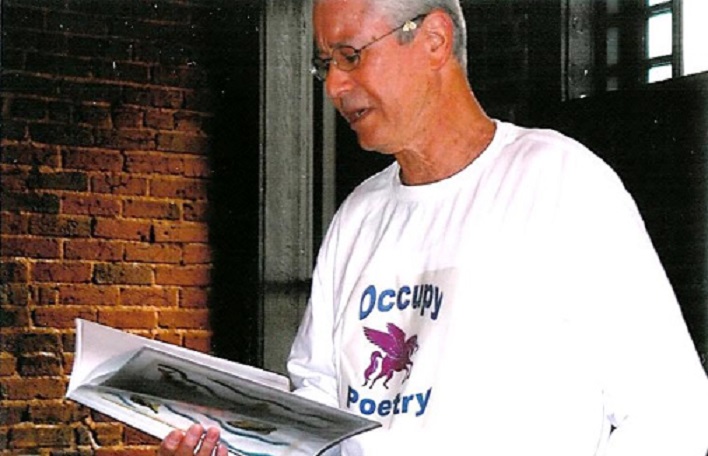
[383, 97]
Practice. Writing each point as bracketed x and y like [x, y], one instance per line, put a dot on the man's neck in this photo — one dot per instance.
[461, 131]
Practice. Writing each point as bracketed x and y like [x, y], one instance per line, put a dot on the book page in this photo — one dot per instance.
[101, 349]
[156, 390]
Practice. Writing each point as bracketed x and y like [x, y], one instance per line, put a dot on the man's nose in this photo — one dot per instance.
[338, 82]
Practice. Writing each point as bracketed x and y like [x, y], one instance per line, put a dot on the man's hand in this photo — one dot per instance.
[180, 443]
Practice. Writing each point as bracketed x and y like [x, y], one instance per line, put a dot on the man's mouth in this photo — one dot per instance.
[356, 115]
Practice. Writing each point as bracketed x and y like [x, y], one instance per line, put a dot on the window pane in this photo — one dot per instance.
[659, 73]
[656, 2]
[659, 35]
[695, 35]
[612, 46]
[612, 84]
[612, 7]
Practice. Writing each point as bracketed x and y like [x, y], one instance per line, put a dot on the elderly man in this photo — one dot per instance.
[492, 292]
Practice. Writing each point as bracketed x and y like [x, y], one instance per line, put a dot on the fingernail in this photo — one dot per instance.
[212, 435]
[194, 434]
[172, 440]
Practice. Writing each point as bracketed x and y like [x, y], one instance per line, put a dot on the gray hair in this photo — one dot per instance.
[399, 11]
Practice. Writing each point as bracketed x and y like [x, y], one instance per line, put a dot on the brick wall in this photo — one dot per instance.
[107, 115]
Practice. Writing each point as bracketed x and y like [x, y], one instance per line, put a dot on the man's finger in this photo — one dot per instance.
[170, 443]
[209, 442]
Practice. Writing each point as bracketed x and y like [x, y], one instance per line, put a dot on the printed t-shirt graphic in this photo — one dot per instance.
[393, 331]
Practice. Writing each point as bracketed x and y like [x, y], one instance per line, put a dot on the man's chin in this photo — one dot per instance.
[371, 145]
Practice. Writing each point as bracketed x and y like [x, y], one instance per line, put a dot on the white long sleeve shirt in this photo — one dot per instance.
[517, 307]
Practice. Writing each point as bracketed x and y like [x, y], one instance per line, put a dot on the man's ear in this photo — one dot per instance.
[437, 29]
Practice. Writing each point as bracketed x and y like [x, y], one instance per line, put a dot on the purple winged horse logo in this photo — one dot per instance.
[398, 354]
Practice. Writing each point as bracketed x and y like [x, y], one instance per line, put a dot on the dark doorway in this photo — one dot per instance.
[234, 73]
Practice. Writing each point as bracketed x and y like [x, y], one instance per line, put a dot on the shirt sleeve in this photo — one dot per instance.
[311, 364]
[655, 387]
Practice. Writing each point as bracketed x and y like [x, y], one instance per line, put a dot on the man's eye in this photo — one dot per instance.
[351, 58]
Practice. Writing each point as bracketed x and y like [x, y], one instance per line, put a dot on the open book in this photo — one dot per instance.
[157, 387]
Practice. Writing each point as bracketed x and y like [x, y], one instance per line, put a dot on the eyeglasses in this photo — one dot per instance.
[347, 58]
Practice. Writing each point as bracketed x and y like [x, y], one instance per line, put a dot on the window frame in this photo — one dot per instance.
[586, 46]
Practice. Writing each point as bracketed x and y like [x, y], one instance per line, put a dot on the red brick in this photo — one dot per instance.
[153, 253]
[184, 319]
[14, 130]
[33, 436]
[31, 342]
[133, 318]
[14, 180]
[61, 316]
[128, 118]
[196, 167]
[160, 119]
[99, 417]
[121, 184]
[128, 451]
[68, 341]
[40, 364]
[59, 134]
[193, 297]
[68, 362]
[181, 232]
[45, 295]
[14, 317]
[90, 205]
[149, 296]
[24, 17]
[183, 188]
[95, 115]
[31, 247]
[169, 337]
[184, 143]
[14, 294]
[60, 226]
[136, 139]
[124, 71]
[29, 154]
[189, 121]
[80, 249]
[151, 209]
[93, 160]
[70, 181]
[8, 366]
[12, 223]
[136, 437]
[182, 275]
[13, 272]
[167, 98]
[24, 108]
[149, 163]
[122, 273]
[131, 230]
[18, 389]
[108, 434]
[68, 272]
[60, 111]
[52, 412]
[198, 342]
[196, 254]
[196, 211]
[11, 414]
[44, 203]
[88, 295]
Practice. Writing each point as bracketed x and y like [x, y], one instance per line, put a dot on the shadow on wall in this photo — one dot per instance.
[232, 35]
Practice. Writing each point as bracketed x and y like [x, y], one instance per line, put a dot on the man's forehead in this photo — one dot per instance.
[337, 22]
